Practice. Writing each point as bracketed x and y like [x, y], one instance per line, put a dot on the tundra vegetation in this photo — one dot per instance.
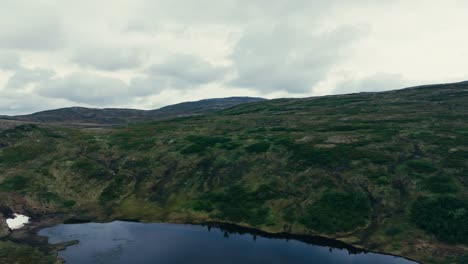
[384, 171]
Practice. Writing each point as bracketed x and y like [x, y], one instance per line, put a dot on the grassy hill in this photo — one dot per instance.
[83, 116]
[384, 171]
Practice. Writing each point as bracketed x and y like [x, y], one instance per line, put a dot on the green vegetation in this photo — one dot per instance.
[338, 212]
[115, 190]
[385, 171]
[258, 147]
[53, 198]
[421, 166]
[393, 231]
[202, 143]
[16, 183]
[456, 159]
[22, 254]
[446, 217]
[24, 152]
[91, 169]
[440, 184]
[307, 155]
[237, 204]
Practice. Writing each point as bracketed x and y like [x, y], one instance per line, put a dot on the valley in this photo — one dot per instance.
[385, 172]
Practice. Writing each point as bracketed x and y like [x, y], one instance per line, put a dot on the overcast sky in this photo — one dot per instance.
[150, 53]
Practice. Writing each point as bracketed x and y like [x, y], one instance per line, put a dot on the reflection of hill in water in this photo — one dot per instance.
[130, 242]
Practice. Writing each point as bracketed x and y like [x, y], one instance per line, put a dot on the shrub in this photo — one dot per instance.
[446, 217]
[20, 253]
[229, 145]
[456, 159]
[337, 212]
[440, 184]
[91, 169]
[259, 147]
[114, 190]
[133, 139]
[235, 204]
[421, 166]
[68, 203]
[290, 215]
[203, 205]
[392, 231]
[16, 183]
[207, 141]
[202, 143]
[53, 198]
[307, 155]
[24, 152]
[193, 149]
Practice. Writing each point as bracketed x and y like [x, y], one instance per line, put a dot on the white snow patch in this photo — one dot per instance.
[18, 222]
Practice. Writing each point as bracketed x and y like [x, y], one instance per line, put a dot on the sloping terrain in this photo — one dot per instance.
[115, 116]
[384, 171]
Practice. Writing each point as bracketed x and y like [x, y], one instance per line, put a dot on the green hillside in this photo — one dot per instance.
[384, 171]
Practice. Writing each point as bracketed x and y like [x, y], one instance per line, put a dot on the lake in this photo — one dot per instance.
[144, 243]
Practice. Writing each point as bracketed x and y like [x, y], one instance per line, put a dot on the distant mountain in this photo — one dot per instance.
[117, 116]
[204, 106]
[385, 172]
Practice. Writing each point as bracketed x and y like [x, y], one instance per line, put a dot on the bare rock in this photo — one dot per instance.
[4, 229]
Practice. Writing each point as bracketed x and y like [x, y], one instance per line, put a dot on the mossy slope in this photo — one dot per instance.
[363, 168]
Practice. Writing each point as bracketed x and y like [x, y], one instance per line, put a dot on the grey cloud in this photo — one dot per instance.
[143, 86]
[107, 58]
[38, 37]
[23, 105]
[183, 71]
[374, 83]
[158, 13]
[29, 25]
[91, 89]
[223, 11]
[25, 76]
[9, 61]
[269, 46]
[289, 58]
[84, 88]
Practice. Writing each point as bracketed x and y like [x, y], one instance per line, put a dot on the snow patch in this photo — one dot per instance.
[18, 222]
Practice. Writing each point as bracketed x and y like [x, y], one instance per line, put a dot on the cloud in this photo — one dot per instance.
[375, 83]
[145, 86]
[225, 12]
[287, 57]
[185, 71]
[15, 105]
[9, 61]
[26, 25]
[108, 58]
[71, 52]
[24, 76]
[84, 88]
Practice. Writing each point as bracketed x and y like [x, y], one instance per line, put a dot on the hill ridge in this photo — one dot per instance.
[120, 116]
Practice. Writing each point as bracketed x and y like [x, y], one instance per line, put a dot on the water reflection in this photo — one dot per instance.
[127, 242]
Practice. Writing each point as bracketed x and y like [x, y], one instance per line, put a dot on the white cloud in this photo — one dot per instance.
[185, 71]
[9, 61]
[374, 83]
[91, 89]
[133, 53]
[29, 25]
[108, 58]
[24, 76]
[290, 58]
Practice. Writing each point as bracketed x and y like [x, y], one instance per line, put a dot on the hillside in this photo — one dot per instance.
[115, 116]
[385, 171]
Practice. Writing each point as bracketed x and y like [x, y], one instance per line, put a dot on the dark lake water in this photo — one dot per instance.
[140, 243]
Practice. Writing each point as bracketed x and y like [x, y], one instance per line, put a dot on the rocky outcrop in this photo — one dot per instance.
[4, 230]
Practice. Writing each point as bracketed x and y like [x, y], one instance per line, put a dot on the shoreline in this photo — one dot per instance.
[230, 228]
